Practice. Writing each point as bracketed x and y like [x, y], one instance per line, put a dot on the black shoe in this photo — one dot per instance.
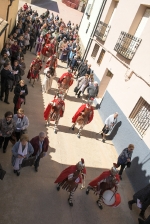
[6, 102]
[142, 216]
[72, 128]
[18, 173]
[15, 171]
[36, 169]
[120, 177]
[99, 205]
[4, 150]
[58, 188]
[102, 134]
[130, 205]
[87, 191]
[70, 203]
[103, 140]
[141, 221]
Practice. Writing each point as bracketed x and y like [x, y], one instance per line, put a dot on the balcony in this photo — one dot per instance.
[102, 31]
[127, 45]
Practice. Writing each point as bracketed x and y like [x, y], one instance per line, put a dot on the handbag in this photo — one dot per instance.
[28, 161]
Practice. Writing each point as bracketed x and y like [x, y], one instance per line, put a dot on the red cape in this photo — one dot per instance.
[63, 76]
[64, 174]
[49, 107]
[78, 113]
[105, 174]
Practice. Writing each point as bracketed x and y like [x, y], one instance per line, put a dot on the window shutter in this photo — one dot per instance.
[95, 51]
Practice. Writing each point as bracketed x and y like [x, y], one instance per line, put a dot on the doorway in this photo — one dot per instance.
[104, 83]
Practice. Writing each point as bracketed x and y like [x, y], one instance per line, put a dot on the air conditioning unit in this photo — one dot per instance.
[89, 9]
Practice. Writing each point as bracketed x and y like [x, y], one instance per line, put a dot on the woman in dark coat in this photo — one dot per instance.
[17, 72]
[143, 196]
[20, 92]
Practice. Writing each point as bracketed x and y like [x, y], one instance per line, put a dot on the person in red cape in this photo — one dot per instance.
[25, 7]
[48, 50]
[51, 62]
[65, 81]
[70, 178]
[83, 116]
[105, 181]
[34, 70]
[54, 111]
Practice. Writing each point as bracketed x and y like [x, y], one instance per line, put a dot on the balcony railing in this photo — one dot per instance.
[102, 31]
[127, 45]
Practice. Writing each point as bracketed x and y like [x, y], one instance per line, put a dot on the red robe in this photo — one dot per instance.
[48, 50]
[64, 76]
[103, 176]
[34, 73]
[48, 63]
[78, 113]
[69, 170]
[49, 107]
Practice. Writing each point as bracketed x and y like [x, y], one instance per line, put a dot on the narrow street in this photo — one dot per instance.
[32, 197]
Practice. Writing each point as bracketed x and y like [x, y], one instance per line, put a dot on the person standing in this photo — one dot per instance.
[21, 150]
[124, 159]
[6, 79]
[110, 122]
[22, 123]
[20, 91]
[92, 90]
[142, 198]
[7, 127]
[40, 145]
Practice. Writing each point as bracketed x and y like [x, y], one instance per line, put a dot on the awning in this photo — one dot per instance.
[3, 25]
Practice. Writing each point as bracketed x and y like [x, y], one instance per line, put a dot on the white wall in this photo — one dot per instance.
[85, 21]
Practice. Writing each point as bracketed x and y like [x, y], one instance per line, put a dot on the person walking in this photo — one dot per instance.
[142, 198]
[7, 127]
[6, 79]
[22, 123]
[40, 145]
[21, 150]
[124, 159]
[110, 122]
[70, 178]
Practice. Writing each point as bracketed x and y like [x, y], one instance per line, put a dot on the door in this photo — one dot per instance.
[104, 83]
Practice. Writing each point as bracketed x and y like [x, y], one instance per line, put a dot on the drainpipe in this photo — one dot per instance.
[94, 29]
[7, 15]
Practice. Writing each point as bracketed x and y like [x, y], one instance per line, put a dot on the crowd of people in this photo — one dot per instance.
[50, 39]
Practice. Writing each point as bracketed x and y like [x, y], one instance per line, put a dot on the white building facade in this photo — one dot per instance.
[119, 53]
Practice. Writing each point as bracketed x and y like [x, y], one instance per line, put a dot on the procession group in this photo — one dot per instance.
[50, 39]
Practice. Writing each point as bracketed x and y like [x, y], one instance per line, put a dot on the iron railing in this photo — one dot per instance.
[140, 116]
[102, 31]
[127, 45]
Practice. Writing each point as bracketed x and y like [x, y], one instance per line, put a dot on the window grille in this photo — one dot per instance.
[101, 57]
[140, 116]
[95, 51]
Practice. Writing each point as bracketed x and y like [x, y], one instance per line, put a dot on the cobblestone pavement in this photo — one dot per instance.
[32, 197]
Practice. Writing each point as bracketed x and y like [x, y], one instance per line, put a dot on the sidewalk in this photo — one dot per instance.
[32, 197]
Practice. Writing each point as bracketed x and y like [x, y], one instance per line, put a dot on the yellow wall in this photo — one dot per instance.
[11, 18]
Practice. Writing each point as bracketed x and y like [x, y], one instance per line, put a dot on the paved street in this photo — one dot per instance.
[32, 197]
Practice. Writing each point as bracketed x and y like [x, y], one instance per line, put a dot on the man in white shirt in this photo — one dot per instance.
[110, 122]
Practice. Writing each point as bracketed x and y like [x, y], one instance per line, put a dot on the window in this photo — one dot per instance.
[100, 57]
[95, 51]
[140, 116]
